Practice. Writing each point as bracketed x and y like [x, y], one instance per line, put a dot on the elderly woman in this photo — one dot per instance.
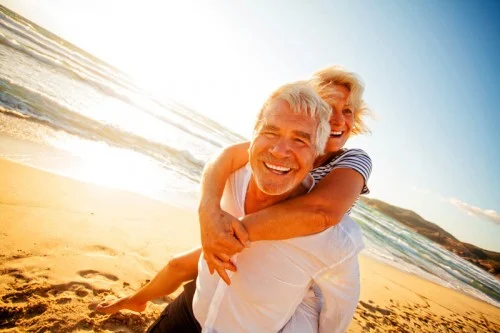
[340, 175]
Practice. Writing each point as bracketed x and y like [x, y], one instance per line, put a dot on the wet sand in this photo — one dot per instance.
[67, 245]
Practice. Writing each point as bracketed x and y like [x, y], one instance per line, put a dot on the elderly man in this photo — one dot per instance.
[279, 284]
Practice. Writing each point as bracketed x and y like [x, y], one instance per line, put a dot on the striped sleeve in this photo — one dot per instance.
[356, 159]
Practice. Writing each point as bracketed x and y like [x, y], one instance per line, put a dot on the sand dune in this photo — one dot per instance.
[66, 245]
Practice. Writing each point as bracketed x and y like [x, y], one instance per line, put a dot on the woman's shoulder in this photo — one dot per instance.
[353, 152]
[353, 158]
[348, 155]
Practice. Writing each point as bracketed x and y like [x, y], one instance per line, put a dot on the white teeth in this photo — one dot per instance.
[336, 133]
[277, 168]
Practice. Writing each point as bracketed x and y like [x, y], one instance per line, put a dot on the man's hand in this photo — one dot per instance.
[222, 236]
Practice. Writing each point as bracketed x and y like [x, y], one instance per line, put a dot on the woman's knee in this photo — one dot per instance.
[182, 266]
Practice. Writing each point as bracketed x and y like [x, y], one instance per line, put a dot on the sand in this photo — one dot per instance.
[67, 245]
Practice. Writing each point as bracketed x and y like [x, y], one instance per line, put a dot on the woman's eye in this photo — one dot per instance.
[348, 111]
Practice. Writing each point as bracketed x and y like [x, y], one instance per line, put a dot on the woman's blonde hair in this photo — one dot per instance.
[324, 81]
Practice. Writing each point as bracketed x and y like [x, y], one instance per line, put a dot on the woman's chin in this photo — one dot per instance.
[333, 147]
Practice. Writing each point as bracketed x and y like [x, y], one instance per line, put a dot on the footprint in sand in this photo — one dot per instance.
[100, 250]
[90, 273]
[16, 274]
[375, 309]
[63, 300]
[10, 314]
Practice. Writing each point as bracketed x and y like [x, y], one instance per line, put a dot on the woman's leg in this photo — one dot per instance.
[181, 268]
[178, 316]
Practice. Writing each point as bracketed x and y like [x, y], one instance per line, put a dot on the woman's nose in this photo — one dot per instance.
[337, 118]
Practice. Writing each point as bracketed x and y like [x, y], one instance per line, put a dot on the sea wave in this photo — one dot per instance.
[28, 32]
[408, 250]
[102, 78]
[138, 101]
[60, 117]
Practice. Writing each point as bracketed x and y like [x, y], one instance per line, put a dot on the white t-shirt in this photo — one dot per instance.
[272, 289]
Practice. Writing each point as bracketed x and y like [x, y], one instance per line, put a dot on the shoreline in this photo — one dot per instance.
[66, 245]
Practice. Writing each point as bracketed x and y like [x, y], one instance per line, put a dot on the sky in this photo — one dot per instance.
[431, 70]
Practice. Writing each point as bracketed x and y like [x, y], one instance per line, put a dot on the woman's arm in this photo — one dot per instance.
[222, 235]
[314, 212]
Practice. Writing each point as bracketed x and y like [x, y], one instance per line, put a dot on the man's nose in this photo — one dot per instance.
[280, 149]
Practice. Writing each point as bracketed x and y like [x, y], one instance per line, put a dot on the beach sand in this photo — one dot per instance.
[67, 245]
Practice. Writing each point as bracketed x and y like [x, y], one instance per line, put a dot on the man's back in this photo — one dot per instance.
[274, 276]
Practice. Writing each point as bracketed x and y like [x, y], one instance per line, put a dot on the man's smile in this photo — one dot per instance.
[280, 170]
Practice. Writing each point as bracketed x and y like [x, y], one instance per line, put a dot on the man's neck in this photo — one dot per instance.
[326, 158]
[256, 200]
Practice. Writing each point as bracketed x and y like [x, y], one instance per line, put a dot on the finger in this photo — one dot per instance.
[220, 268]
[219, 263]
[231, 245]
[223, 274]
[227, 264]
[241, 233]
[212, 266]
[209, 263]
[223, 257]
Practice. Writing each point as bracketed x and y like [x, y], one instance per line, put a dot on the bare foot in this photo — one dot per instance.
[128, 303]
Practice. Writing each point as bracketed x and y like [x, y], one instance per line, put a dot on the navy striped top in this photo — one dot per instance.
[356, 159]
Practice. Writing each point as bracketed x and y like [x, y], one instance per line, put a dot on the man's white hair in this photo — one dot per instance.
[302, 98]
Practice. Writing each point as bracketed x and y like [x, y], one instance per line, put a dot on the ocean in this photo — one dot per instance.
[65, 111]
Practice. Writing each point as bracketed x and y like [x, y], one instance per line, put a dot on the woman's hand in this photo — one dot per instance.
[222, 236]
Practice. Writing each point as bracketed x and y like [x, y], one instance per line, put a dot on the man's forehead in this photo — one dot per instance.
[282, 117]
[281, 109]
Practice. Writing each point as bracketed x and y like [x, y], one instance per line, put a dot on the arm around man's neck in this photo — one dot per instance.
[310, 213]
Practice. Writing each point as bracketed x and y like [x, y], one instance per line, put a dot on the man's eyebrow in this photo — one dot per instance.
[269, 127]
[303, 135]
[300, 134]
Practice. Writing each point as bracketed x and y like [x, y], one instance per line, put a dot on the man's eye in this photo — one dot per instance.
[269, 134]
[300, 141]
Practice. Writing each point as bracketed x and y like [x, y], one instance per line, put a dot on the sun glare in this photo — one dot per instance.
[181, 51]
[101, 164]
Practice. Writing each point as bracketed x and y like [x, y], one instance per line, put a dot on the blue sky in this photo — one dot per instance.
[431, 70]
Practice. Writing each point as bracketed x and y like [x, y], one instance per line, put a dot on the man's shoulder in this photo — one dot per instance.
[351, 229]
[241, 172]
[347, 228]
[239, 178]
[233, 197]
[341, 240]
